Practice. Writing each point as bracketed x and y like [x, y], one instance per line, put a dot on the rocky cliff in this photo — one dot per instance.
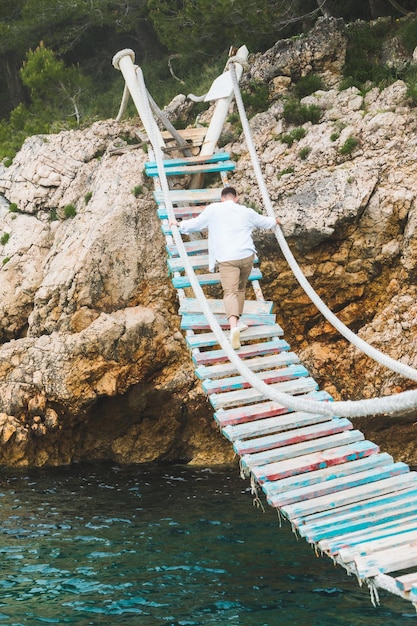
[92, 362]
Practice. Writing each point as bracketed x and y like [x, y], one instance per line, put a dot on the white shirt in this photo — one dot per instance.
[230, 227]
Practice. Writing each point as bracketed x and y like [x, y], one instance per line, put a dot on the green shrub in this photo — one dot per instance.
[7, 161]
[53, 215]
[70, 211]
[308, 85]
[349, 145]
[137, 190]
[294, 135]
[13, 208]
[4, 238]
[297, 113]
[407, 34]
[334, 136]
[88, 196]
[256, 99]
[5, 260]
[288, 170]
[304, 152]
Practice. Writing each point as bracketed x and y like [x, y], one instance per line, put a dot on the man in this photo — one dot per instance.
[231, 246]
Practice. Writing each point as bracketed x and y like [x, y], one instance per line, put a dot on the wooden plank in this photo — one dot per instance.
[390, 560]
[204, 168]
[199, 159]
[206, 340]
[180, 212]
[197, 196]
[261, 410]
[192, 305]
[248, 396]
[407, 581]
[257, 364]
[291, 437]
[269, 377]
[197, 261]
[258, 350]
[337, 484]
[194, 135]
[317, 460]
[195, 246]
[399, 536]
[269, 457]
[181, 282]
[197, 321]
[280, 423]
[328, 473]
[349, 496]
[352, 518]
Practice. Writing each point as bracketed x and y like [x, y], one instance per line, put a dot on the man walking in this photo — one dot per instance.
[231, 246]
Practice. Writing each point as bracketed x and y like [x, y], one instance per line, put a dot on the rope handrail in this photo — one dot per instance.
[392, 404]
[383, 359]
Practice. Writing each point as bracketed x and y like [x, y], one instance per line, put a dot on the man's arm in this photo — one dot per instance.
[193, 224]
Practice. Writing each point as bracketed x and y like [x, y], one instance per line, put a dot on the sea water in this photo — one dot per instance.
[164, 545]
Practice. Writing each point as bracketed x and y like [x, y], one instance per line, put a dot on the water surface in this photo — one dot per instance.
[155, 546]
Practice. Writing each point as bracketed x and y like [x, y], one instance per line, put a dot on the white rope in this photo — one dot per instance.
[404, 401]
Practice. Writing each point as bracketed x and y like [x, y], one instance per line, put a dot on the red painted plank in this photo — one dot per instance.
[211, 357]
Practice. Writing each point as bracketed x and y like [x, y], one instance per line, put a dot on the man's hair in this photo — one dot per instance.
[228, 191]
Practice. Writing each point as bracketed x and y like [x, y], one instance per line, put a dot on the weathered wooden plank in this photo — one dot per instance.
[398, 536]
[317, 460]
[197, 196]
[352, 518]
[349, 496]
[181, 212]
[233, 383]
[390, 560]
[269, 457]
[407, 581]
[198, 159]
[261, 410]
[337, 484]
[206, 340]
[203, 168]
[197, 321]
[276, 346]
[291, 437]
[197, 261]
[257, 364]
[195, 246]
[192, 305]
[280, 423]
[317, 477]
[248, 396]
[194, 135]
[181, 282]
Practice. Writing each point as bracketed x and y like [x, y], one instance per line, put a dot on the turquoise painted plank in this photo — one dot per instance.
[197, 261]
[195, 246]
[181, 282]
[281, 423]
[206, 340]
[242, 415]
[233, 383]
[407, 581]
[251, 461]
[210, 357]
[192, 305]
[197, 321]
[386, 561]
[192, 160]
[248, 396]
[180, 170]
[350, 518]
[257, 364]
[328, 473]
[317, 460]
[291, 437]
[180, 213]
[198, 196]
[376, 537]
[337, 484]
[356, 494]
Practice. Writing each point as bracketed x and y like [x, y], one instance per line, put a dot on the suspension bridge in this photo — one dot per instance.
[348, 499]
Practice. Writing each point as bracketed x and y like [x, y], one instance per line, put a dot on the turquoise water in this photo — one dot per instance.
[175, 546]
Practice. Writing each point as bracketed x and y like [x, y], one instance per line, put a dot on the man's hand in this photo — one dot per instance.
[173, 223]
[278, 221]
